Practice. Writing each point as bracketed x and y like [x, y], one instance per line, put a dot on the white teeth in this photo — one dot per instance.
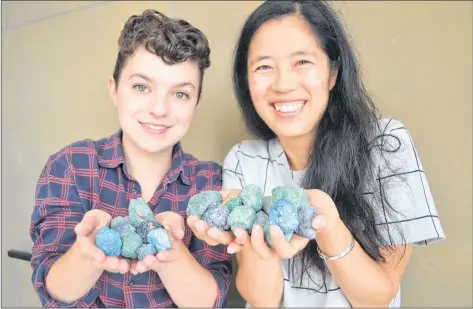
[153, 127]
[288, 107]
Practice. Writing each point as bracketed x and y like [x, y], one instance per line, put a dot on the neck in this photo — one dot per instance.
[140, 163]
[297, 150]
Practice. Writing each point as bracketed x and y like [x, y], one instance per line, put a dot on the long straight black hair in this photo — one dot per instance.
[341, 163]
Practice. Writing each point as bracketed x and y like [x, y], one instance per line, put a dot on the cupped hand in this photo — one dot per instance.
[212, 235]
[86, 230]
[173, 223]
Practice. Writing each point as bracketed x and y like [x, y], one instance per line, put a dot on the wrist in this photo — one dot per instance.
[335, 239]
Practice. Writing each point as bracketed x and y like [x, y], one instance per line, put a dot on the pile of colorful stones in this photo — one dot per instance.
[287, 207]
[134, 236]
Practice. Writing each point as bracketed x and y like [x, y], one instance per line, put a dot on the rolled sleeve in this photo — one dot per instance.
[58, 209]
[218, 262]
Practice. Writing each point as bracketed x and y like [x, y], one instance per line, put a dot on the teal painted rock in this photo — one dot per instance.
[233, 202]
[243, 216]
[295, 195]
[122, 224]
[252, 196]
[139, 211]
[130, 244]
[199, 203]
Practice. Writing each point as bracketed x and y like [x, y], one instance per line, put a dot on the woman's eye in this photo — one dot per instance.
[140, 88]
[181, 95]
[263, 67]
[302, 62]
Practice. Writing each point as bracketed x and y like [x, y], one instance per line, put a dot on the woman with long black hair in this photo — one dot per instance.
[298, 85]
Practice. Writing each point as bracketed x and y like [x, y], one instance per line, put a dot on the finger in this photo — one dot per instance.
[241, 236]
[172, 219]
[133, 268]
[87, 226]
[298, 242]
[88, 248]
[258, 242]
[234, 248]
[112, 264]
[229, 194]
[151, 262]
[167, 256]
[199, 228]
[124, 266]
[280, 244]
[222, 237]
[141, 267]
[177, 233]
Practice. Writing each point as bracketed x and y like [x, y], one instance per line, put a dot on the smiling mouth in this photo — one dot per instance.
[289, 107]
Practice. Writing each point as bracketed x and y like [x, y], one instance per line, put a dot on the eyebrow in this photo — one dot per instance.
[149, 79]
[297, 53]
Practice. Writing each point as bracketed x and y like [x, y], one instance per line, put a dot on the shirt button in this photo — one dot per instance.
[133, 191]
[130, 282]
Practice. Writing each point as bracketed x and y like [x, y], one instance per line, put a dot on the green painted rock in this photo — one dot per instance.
[130, 244]
[139, 211]
[295, 195]
[199, 203]
[252, 196]
[234, 202]
[243, 217]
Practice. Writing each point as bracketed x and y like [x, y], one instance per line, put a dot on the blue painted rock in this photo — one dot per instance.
[284, 214]
[160, 239]
[144, 250]
[306, 215]
[108, 241]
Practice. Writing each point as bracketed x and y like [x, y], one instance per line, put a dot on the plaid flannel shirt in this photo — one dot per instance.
[93, 175]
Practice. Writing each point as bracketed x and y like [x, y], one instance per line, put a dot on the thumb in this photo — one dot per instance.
[319, 222]
[87, 226]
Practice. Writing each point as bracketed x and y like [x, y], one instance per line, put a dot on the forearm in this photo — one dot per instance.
[187, 282]
[72, 276]
[259, 282]
[363, 281]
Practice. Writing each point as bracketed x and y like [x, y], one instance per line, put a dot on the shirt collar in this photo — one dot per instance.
[111, 155]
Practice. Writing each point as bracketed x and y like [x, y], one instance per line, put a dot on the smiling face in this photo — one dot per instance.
[156, 102]
[289, 77]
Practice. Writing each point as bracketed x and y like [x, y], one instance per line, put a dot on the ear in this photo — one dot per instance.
[333, 77]
[112, 90]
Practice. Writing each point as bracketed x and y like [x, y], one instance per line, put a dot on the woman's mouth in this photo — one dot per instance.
[289, 109]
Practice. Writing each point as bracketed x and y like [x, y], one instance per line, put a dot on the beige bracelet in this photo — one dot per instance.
[341, 255]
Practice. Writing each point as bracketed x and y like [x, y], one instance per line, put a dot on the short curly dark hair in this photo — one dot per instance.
[174, 40]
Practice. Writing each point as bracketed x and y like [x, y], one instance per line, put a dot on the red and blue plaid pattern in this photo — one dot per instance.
[92, 174]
